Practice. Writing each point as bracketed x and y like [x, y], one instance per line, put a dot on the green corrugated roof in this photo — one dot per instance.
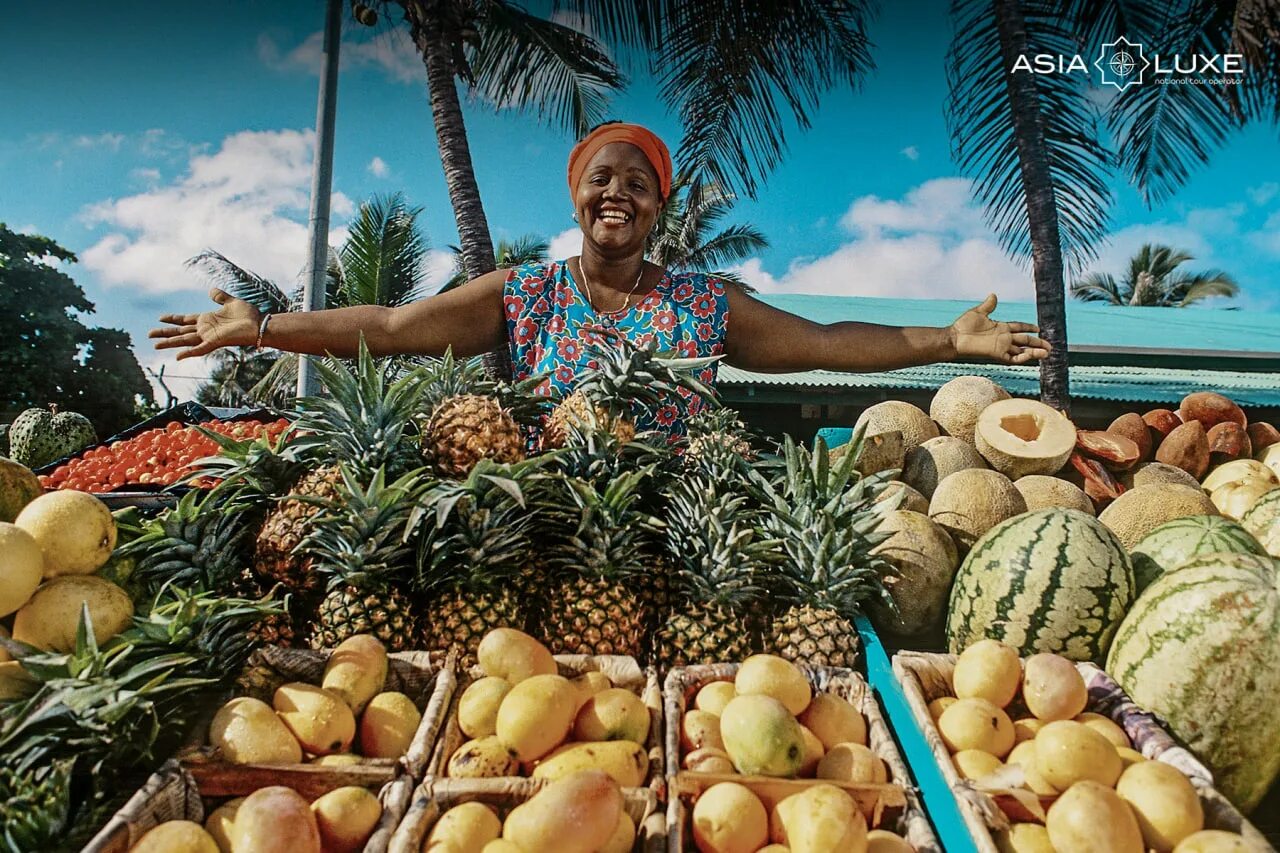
[1129, 384]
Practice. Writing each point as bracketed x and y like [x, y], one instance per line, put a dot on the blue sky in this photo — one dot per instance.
[137, 136]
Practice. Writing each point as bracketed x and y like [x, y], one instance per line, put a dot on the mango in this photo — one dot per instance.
[220, 822]
[321, 721]
[247, 731]
[388, 726]
[356, 671]
[275, 820]
[712, 697]
[1106, 727]
[462, 829]
[1091, 818]
[502, 845]
[51, 617]
[813, 753]
[176, 836]
[21, 566]
[976, 724]
[762, 737]
[625, 761]
[1164, 802]
[514, 656]
[346, 817]
[853, 762]
[821, 819]
[589, 684]
[1053, 688]
[1026, 728]
[1214, 841]
[624, 836]
[884, 841]
[1024, 838]
[709, 760]
[989, 670]
[975, 764]
[942, 703]
[729, 818]
[770, 675]
[613, 714]
[577, 814]
[700, 730]
[75, 531]
[482, 758]
[478, 706]
[338, 759]
[1068, 752]
[536, 715]
[834, 720]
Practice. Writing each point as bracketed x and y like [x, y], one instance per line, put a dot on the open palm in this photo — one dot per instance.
[976, 335]
[233, 323]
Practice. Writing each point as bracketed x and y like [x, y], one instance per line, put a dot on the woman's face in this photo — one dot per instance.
[618, 199]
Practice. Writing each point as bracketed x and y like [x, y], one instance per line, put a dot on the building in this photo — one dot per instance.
[1122, 360]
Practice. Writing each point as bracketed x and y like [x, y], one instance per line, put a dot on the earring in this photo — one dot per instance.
[574, 216]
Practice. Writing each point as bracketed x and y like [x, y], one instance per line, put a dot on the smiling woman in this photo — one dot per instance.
[551, 314]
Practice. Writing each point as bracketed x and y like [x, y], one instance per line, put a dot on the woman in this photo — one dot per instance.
[549, 314]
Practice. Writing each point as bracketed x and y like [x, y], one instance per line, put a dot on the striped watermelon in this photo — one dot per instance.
[1201, 648]
[1263, 521]
[1175, 542]
[1053, 580]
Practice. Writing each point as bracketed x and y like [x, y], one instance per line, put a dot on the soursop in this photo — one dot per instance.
[39, 436]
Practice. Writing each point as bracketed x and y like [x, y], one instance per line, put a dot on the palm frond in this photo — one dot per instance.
[733, 244]
[1099, 287]
[261, 293]
[382, 260]
[527, 62]
[1187, 290]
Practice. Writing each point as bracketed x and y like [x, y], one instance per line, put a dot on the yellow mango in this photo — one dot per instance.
[388, 726]
[482, 758]
[321, 721]
[536, 716]
[176, 836]
[356, 671]
[346, 817]
[220, 821]
[821, 819]
[463, 829]
[713, 696]
[478, 706]
[729, 818]
[625, 761]
[514, 656]
[884, 841]
[762, 737]
[577, 814]
[589, 684]
[834, 720]
[247, 731]
[275, 820]
[770, 675]
[624, 836]
[613, 714]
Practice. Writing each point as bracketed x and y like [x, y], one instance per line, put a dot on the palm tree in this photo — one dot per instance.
[236, 372]
[508, 254]
[380, 263]
[682, 238]
[1153, 280]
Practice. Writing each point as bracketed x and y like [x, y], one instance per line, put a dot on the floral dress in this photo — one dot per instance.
[552, 328]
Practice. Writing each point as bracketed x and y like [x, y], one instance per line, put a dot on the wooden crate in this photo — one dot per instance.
[623, 671]
[926, 676]
[894, 806]
[426, 678]
[173, 793]
[436, 796]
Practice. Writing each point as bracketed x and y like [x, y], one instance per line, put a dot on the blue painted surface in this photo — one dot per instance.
[835, 436]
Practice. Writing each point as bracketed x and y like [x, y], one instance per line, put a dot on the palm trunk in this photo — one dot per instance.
[1042, 207]
[455, 155]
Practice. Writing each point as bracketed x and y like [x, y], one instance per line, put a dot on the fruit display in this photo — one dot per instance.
[18, 487]
[1021, 734]
[523, 712]
[40, 436]
[156, 457]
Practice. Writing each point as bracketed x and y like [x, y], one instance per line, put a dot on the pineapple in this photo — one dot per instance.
[598, 556]
[359, 541]
[605, 396]
[473, 555]
[468, 420]
[826, 520]
[717, 437]
[713, 534]
[198, 545]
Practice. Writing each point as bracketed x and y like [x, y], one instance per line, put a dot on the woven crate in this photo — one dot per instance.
[895, 806]
[426, 678]
[172, 793]
[435, 796]
[623, 671]
[926, 676]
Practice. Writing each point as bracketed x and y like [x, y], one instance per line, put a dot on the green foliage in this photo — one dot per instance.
[47, 354]
[506, 255]
[682, 239]
[1153, 280]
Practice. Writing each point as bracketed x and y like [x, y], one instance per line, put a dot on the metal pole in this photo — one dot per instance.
[321, 184]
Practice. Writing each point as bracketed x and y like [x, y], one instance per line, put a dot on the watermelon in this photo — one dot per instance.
[1175, 542]
[1201, 648]
[1263, 521]
[1053, 580]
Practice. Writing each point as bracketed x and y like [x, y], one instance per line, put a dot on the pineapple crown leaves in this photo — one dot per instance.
[254, 469]
[365, 418]
[196, 544]
[601, 533]
[362, 536]
[35, 806]
[626, 374]
[827, 521]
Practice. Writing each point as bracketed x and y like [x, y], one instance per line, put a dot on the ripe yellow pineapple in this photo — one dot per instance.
[287, 525]
[466, 428]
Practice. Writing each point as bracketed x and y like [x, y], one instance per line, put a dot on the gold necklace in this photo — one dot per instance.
[626, 302]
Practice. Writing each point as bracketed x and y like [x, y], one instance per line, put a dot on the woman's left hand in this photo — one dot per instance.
[976, 335]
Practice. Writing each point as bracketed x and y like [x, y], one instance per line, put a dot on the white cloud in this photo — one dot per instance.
[939, 206]
[910, 152]
[566, 244]
[248, 199]
[438, 269]
[30, 229]
[1263, 193]
[145, 176]
[389, 50]
[182, 378]
[378, 167]
[101, 140]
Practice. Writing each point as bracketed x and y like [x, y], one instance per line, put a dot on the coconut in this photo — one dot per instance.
[1041, 491]
[970, 502]
[1144, 508]
[958, 404]
[1021, 437]
[937, 459]
[926, 560]
[911, 421]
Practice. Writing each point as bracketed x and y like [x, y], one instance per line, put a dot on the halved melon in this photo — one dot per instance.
[1237, 470]
[1236, 498]
[1021, 437]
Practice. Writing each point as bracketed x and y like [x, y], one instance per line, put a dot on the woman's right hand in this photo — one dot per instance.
[233, 324]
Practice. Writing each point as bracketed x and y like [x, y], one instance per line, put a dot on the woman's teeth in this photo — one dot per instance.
[615, 216]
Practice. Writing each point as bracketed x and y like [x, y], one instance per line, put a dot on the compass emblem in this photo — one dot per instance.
[1122, 63]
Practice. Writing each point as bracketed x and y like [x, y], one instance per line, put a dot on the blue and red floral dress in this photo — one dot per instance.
[552, 328]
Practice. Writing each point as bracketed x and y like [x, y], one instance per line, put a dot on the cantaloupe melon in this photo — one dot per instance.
[969, 503]
[1270, 456]
[1236, 471]
[1140, 510]
[932, 462]
[926, 560]
[957, 404]
[915, 426]
[1263, 521]
[1021, 437]
[1041, 491]
[910, 498]
[1154, 473]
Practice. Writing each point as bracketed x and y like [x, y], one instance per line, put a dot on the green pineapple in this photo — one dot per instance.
[600, 553]
[472, 555]
[718, 440]
[714, 538]
[198, 544]
[360, 542]
[826, 519]
[35, 805]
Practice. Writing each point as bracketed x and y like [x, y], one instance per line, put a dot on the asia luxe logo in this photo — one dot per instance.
[1123, 63]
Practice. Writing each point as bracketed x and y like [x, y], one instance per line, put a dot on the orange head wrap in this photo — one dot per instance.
[641, 137]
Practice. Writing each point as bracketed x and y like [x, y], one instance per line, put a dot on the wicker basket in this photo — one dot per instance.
[426, 678]
[895, 806]
[622, 671]
[172, 793]
[434, 797]
[926, 676]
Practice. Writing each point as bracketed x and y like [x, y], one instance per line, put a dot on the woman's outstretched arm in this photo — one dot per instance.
[468, 318]
[765, 339]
